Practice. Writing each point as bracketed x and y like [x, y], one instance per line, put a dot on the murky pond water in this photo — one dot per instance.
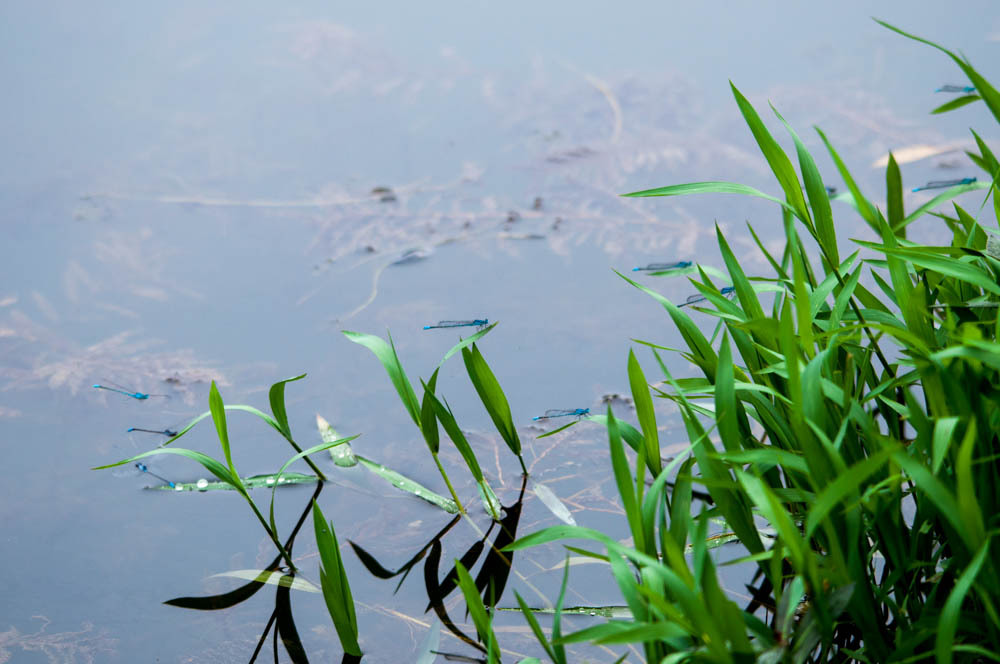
[192, 193]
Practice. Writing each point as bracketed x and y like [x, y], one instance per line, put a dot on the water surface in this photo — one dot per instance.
[186, 196]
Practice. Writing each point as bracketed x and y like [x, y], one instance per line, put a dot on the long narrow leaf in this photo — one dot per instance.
[336, 589]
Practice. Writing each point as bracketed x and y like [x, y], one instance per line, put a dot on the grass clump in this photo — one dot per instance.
[846, 432]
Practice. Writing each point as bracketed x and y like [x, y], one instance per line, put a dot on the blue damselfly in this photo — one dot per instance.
[947, 87]
[944, 184]
[135, 395]
[144, 468]
[169, 433]
[476, 322]
[563, 412]
[728, 291]
[663, 267]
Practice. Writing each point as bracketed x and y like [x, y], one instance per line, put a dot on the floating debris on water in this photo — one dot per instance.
[384, 194]
[413, 256]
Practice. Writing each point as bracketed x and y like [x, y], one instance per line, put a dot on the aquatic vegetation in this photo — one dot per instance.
[843, 443]
[858, 413]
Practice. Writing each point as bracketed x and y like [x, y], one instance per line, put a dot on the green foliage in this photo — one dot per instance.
[864, 431]
[333, 579]
[432, 410]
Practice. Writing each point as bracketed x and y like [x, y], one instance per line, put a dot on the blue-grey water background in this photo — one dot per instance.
[186, 195]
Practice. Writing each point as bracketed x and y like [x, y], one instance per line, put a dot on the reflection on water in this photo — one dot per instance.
[192, 193]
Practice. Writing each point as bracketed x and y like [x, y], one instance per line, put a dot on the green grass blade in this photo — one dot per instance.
[404, 483]
[536, 629]
[894, 197]
[709, 188]
[219, 419]
[943, 197]
[625, 482]
[702, 353]
[305, 453]
[492, 396]
[936, 491]
[451, 427]
[386, 354]
[775, 156]
[468, 341]
[958, 102]
[988, 93]
[276, 395]
[846, 484]
[952, 611]
[210, 464]
[819, 199]
[336, 589]
[644, 410]
[863, 205]
[631, 435]
[251, 482]
[965, 486]
[428, 419]
[477, 610]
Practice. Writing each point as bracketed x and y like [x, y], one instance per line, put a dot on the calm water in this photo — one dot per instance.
[185, 194]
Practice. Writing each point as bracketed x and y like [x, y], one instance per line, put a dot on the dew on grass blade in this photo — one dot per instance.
[948, 87]
[944, 184]
[563, 412]
[476, 322]
[663, 267]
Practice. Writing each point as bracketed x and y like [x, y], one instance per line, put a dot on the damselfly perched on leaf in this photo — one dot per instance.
[135, 395]
[692, 299]
[944, 184]
[476, 322]
[170, 433]
[662, 267]
[563, 412]
[947, 87]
